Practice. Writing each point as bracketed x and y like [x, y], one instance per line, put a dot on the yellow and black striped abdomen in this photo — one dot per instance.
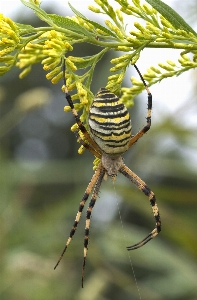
[109, 122]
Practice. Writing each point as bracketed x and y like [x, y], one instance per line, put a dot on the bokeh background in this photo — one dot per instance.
[42, 180]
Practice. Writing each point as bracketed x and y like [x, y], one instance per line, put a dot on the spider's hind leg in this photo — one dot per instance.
[78, 216]
[145, 189]
[88, 215]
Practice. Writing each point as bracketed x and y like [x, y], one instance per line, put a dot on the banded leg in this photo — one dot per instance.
[87, 146]
[148, 118]
[88, 216]
[81, 206]
[145, 189]
[77, 118]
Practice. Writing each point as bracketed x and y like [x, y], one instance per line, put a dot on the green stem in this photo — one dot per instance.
[63, 30]
[94, 41]
[99, 56]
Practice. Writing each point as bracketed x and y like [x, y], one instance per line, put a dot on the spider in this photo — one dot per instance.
[108, 138]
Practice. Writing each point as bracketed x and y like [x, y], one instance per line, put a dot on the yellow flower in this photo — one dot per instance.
[9, 41]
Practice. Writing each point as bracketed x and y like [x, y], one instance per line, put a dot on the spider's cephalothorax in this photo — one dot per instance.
[109, 137]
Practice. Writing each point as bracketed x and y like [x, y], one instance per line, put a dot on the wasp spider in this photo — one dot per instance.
[109, 137]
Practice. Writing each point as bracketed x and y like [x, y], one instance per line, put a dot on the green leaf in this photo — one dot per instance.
[39, 41]
[88, 61]
[23, 28]
[59, 21]
[172, 16]
[183, 42]
[95, 24]
[69, 24]
[38, 11]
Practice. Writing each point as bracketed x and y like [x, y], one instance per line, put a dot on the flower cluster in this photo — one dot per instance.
[156, 32]
[156, 74]
[9, 41]
[23, 46]
[84, 96]
[48, 49]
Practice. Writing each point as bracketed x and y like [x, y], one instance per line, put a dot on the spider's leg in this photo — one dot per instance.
[145, 189]
[81, 206]
[88, 215]
[148, 118]
[77, 118]
[87, 146]
[80, 124]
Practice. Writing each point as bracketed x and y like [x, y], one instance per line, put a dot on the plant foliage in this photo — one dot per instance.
[23, 46]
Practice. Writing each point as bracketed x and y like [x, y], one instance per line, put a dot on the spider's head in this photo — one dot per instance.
[111, 165]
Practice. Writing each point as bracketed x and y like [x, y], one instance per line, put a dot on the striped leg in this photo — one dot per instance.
[80, 124]
[94, 147]
[81, 206]
[87, 146]
[88, 216]
[148, 118]
[145, 189]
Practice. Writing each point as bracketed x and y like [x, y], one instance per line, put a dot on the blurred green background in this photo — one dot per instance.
[42, 181]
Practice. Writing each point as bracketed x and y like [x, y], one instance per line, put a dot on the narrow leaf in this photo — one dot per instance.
[172, 16]
[24, 28]
[95, 24]
[69, 24]
[88, 61]
[77, 12]
[38, 11]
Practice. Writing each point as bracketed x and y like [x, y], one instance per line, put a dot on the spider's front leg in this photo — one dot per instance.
[145, 189]
[86, 145]
[148, 118]
[90, 144]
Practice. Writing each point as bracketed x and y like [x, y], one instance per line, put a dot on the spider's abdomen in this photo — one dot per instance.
[109, 122]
